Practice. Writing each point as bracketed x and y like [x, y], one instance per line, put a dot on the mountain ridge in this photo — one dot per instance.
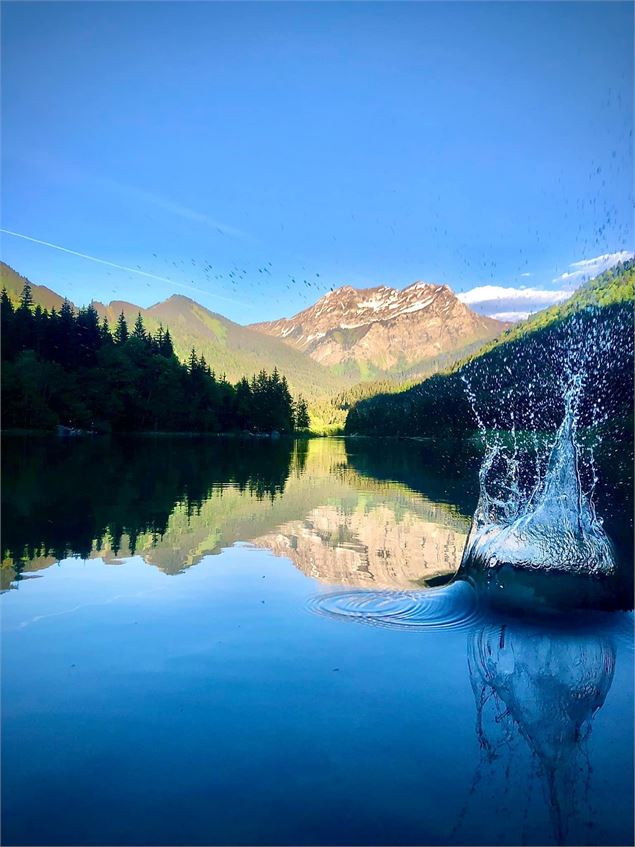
[14, 283]
[228, 347]
[383, 329]
[362, 337]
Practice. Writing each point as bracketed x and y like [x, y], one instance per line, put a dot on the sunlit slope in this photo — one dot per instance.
[440, 404]
[383, 331]
[14, 283]
[228, 347]
[613, 287]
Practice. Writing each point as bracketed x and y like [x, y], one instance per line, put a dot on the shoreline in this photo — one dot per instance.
[259, 436]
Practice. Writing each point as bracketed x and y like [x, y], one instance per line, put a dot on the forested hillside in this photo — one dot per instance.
[232, 349]
[229, 348]
[518, 379]
[67, 367]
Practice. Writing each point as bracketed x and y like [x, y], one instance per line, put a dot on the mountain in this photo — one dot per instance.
[372, 543]
[377, 331]
[228, 347]
[14, 283]
[379, 335]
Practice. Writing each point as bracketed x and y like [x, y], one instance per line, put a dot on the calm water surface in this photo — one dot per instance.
[222, 642]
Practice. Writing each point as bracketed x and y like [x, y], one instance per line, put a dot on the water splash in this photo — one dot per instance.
[555, 527]
[536, 507]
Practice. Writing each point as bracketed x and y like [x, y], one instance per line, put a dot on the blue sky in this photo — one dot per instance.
[296, 147]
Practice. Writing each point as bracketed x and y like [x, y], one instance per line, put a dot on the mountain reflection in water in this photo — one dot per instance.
[174, 501]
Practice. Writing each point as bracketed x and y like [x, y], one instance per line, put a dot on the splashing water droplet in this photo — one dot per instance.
[533, 512]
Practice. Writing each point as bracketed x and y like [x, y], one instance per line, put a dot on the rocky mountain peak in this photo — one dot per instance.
[381, 326]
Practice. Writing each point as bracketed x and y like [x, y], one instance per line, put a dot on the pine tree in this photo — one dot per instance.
[5, 303]
[104, 331]
[66, 336]
[285, 406]
[166, 348]
[66, 312]
[89, 333]
[139, 329]
[26, 298]
[243, 404]
[204, 366]
[121, 331]
[302, 420]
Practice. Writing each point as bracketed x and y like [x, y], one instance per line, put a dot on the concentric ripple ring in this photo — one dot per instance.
[454, 606]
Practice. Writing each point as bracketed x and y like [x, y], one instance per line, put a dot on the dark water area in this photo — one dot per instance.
[222, 641]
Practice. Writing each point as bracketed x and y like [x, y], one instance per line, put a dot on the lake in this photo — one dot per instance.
[224, 641]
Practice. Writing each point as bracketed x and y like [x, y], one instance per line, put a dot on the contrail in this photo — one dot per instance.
[119, 267]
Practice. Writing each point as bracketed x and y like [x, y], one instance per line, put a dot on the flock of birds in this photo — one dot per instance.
[597, 231]
[236, 279]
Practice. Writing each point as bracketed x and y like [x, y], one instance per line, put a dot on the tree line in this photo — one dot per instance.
[69, 368]
[133, 493]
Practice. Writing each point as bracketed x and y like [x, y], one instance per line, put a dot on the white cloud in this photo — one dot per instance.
[526, 274]
[588, 268]
[496, 293]
[515, 304]
[510, 316]
[510, 304]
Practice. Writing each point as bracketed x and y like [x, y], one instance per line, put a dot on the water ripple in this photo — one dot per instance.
[454, 606]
